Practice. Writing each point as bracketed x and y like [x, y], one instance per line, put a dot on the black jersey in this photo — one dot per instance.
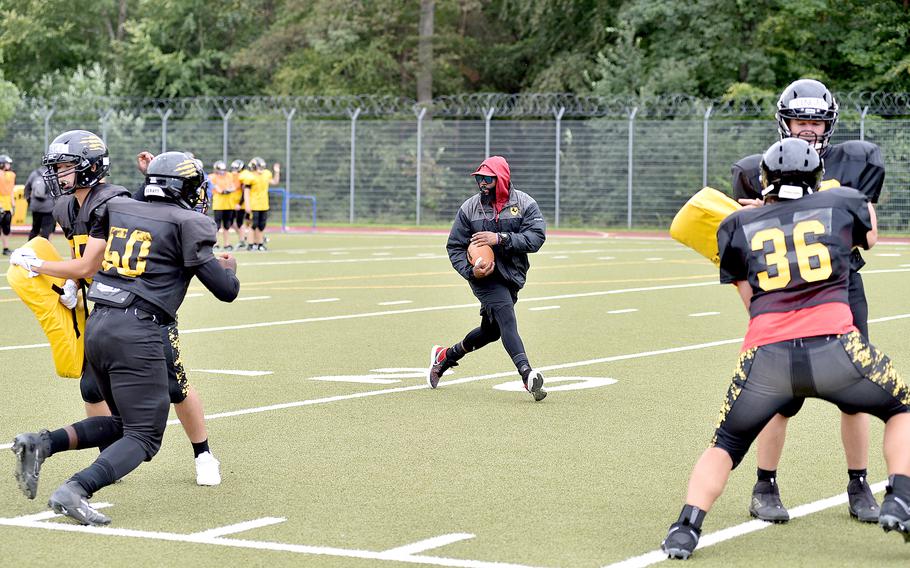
[88, 220]
[795, 254]
[153, 251]
[853, 164]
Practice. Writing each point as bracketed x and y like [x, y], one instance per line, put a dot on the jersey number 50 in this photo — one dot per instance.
[813, 259]
[113, 259]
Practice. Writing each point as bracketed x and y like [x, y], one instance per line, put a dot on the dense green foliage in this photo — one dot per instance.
[168, 48]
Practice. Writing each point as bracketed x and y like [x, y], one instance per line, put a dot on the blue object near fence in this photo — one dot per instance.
[286, 205]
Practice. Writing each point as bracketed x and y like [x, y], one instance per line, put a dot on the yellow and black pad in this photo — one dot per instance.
[695, 225]
[63, 327]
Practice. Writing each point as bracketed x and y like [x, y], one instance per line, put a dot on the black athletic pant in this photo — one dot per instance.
[497, 312]
[42, 224]
[124, 350]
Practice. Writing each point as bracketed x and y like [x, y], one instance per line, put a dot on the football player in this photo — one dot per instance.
[222, 189]
[255, 182]
[509, 221]
[807, 109]
[237, 169]
[7, 203]
[152, 251]
[790, 262]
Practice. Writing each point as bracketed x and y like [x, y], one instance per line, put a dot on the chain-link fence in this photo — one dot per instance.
[588, 161]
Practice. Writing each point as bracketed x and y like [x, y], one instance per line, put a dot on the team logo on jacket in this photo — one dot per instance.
[514, 210]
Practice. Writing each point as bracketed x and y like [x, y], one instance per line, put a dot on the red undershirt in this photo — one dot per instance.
[832, 318]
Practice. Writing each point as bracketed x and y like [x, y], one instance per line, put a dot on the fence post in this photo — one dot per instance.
[704, 159]
[558, 114]
[487, 116]
[164, 116]
[225, 117]
[353, 116]
[47, 127]
[104, 118]
[420, 115]
[629, 173]
[289, 116]
[862, 123]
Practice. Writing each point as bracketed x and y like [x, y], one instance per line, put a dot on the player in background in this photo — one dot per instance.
[7, 203]
[790, 263]
[241, 223]
[152, 252]
[807, 109]
[255, 183]
[509, 221]
[222, 196]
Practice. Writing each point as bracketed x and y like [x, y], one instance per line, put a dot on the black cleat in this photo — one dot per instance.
[31, 450]
[438, 365]
[895, 515]
[862, 504]
[766, 504]
[681, 541]
[70, 499]
[534, 385]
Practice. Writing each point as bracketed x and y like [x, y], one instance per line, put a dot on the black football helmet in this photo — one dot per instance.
[175, 177]
[87, 155]
[791, 169]
[807, 99]
[236, 165]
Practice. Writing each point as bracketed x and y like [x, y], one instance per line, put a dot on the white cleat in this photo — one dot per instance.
[208, 470]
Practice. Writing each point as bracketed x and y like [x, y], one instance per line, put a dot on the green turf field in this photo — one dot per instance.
[337, 454]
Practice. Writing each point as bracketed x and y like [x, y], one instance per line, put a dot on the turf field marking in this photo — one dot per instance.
[741, 529]
[237, 372]
[382, 254]
[395, 303]
[559, 257]
[428, 544]
[195, 295]
[322, 300]
[578, 384]
[703, 314]
[198, 538]
[47, 515]
[542, 308]
[606, 258]
[240, 527]
[888, 254]
[625, 311]
[249, 298]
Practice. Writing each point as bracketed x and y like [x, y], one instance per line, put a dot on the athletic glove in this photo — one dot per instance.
[25, 257]
[68, 297]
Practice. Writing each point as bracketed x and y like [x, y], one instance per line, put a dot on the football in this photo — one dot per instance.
[476, 252]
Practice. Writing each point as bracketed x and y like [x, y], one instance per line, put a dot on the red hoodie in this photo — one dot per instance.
[499, 167]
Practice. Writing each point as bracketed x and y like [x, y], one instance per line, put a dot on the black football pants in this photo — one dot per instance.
[124, 350]
[498, 320]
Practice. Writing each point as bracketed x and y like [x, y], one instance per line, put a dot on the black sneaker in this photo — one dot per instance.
[251, 247]
[70, 499]
[681, 541]
[438, 365]
[863, 506]
[7, 252]
[534, 385]
[895, 514]
[766, 504]
[262, 248]
[31, 450]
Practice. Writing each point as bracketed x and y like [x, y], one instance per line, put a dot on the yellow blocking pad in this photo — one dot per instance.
[64, 328]
[695, 225]
[21, 204]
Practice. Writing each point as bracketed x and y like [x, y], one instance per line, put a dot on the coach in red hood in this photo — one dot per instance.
[509, 221]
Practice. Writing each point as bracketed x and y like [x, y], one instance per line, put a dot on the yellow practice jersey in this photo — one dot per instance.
[259, 188]
[223, 186]
[237, 195]
[7, 183]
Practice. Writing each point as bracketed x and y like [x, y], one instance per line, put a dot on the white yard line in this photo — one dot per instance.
[395, 303]
[428, 544]
[542, 308]
[657, 556]
[236, 372]
[248, 298]
[257, 545]
[322, 300]
[239, 527]
[625, 311]
[703, 314]
[47, 515]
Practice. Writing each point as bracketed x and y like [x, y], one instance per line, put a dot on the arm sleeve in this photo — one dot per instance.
[872, 177]
[742, 183]
[197, 237]
[732, 264]
[457, 245]
[862, 222]
[531, 234]
[100, 222]
[221, 282]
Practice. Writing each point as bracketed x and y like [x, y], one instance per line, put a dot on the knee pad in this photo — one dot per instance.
[97, 431]
[91, 391]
